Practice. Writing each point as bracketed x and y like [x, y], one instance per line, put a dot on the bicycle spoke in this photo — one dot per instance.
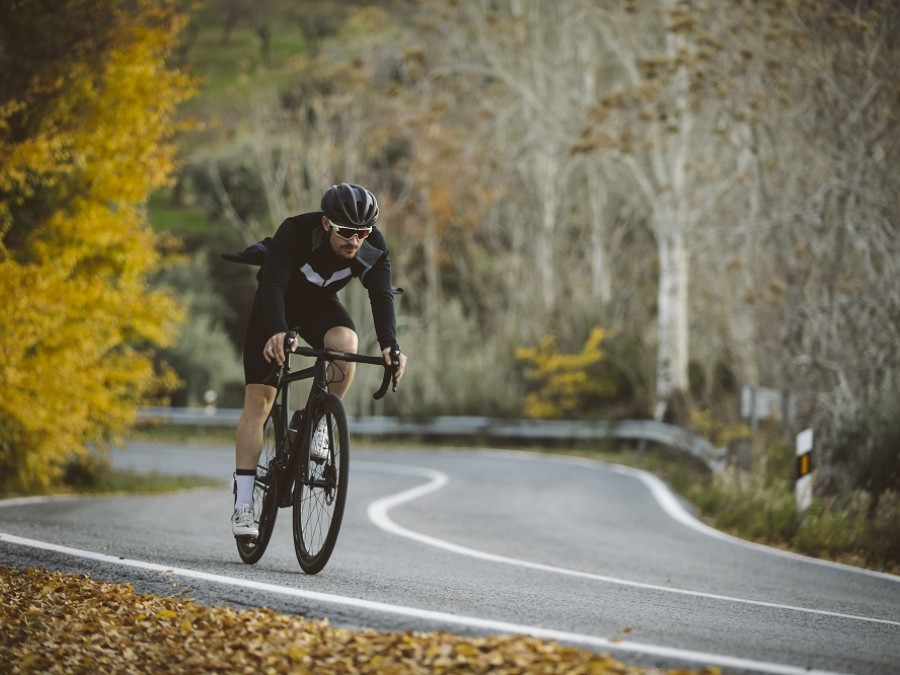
[316, 506]
[319, 499]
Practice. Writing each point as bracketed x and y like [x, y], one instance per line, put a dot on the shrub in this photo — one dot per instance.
[884, 531]
[565, 385]
[85, 471]
[744, 503]
[863, 453]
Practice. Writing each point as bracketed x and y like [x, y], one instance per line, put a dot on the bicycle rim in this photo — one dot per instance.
[321, 488]
[265, 497]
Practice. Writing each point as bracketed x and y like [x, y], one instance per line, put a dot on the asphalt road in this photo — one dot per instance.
[487, 542]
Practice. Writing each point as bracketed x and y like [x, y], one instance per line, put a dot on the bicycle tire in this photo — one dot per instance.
[265, 494]
[320, 490]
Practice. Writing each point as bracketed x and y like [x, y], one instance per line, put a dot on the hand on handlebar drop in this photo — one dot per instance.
[274, 349]
[401, 363]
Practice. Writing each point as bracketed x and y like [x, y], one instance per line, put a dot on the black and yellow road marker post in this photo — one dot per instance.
[804, 469]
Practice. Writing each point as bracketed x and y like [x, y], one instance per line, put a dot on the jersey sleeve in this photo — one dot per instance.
[274, 278]
[378, 283]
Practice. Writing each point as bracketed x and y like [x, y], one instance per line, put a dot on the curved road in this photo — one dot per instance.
[487, 542]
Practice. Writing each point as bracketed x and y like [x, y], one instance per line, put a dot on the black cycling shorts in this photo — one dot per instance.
[312, 320]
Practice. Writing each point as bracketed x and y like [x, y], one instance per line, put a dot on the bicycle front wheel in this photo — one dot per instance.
[320, 490]
[265, 494]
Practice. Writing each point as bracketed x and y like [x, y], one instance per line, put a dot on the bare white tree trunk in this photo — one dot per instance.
[672, 305]
[601, 276]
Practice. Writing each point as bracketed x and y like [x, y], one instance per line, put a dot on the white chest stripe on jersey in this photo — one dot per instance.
[314, 277]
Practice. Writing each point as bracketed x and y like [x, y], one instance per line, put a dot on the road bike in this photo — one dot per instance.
[305, 458]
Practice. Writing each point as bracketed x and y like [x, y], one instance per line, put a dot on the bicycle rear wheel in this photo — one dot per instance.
[265, 493]
[320, 490]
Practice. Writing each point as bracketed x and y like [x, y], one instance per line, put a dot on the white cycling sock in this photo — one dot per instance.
[243, 489]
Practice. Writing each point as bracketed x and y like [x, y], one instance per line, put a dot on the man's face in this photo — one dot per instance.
[345, 248]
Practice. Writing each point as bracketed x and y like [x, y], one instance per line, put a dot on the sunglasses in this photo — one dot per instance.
[349, 232]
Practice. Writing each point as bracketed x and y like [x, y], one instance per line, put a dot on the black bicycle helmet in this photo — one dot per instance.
[350, 204]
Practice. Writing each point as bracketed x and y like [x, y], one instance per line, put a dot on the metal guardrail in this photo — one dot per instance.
[189, 417]
[475, 427]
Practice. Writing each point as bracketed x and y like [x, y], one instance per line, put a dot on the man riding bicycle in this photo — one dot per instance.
[310, 258]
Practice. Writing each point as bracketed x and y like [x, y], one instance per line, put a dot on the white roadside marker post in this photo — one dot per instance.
[804, 469]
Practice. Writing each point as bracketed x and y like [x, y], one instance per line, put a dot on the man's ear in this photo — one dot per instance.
[325, 223]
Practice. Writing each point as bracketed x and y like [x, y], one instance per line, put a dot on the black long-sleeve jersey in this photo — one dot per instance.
[299, 263]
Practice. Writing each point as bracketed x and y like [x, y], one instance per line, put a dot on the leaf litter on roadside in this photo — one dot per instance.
[68, 623]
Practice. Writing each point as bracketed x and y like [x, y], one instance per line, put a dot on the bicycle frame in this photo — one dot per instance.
[318, 492]
[288, 451]
[318, 372]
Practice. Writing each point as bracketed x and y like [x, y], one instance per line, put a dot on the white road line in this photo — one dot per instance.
[487, 625]
[379, 509]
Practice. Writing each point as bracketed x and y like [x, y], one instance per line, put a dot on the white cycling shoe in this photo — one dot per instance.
[318, 447]
[242, 523]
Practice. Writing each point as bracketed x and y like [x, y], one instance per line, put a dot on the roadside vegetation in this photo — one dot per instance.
[101, 479]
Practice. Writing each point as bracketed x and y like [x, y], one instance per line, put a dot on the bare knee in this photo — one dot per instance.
[342, 339]
[341, 373]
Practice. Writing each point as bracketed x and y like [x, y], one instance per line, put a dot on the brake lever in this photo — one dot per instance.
[289, 337]
[274, 378]
[395, 366]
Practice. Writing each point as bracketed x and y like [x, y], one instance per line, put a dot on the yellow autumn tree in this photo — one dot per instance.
[564, 385]
[86, 118]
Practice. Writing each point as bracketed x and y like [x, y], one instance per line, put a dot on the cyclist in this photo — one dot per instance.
[309, 259]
